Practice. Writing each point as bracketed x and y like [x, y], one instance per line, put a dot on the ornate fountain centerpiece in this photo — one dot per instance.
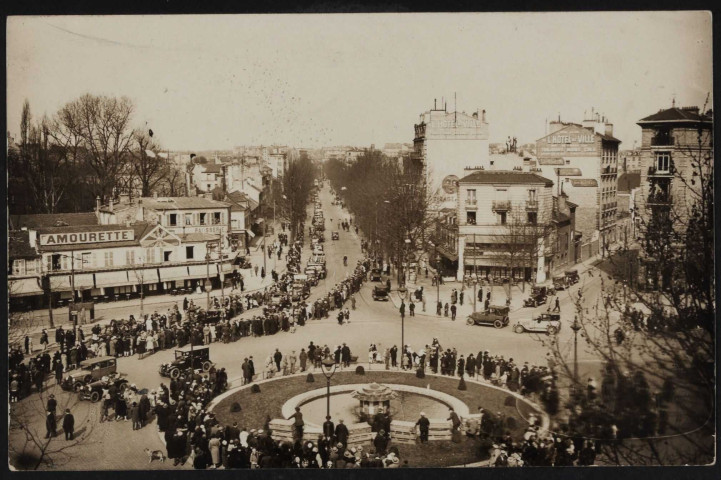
[374, 398]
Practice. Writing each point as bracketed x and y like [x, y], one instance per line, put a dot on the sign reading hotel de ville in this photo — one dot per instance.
[86, 237]
[570, 141]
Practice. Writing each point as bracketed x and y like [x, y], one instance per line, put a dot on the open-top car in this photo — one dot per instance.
[91, 370]
[334, 236]
[376, 275]
[198, 358]
[301, 289]
[320, 270]
[496, 316]
[560, 282]
[380, 293]
[548, 323]
[211, 316]
[94, 391]
[539, 295]
[572, 277]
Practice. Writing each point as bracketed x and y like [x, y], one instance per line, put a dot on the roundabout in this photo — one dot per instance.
[278, 398]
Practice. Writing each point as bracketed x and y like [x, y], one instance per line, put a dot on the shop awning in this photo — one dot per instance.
[201, 271]
[24, 287]
[453, 257]
[145, 276]
[226, 267]
[112, 279]
[169, 274]
[83, 281]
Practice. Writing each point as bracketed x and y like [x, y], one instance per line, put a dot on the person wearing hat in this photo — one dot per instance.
[423, 426]
[52, 404]
[50, 424]
[298, 423]
[341, 433]
[381, 442]
[328, 427]
[135, 416]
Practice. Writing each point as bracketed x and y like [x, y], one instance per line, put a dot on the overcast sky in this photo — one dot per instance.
[213, 82]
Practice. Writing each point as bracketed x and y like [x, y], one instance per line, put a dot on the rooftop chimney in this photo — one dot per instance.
[97, 204]
[483, 116]
[609, 130]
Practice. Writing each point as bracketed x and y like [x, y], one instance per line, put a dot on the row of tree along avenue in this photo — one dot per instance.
[388, 205]
[289, 198]
[654, 341]
[91, 147]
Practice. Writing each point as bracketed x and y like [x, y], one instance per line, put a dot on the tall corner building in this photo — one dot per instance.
[583, 160]
[445, 143]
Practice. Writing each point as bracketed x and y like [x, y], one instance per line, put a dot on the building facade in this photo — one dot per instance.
[111, 262]
[676, 146]
[505, 225]
[583, 158]
[444, 144]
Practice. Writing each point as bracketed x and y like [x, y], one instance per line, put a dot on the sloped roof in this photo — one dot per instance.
[176, 203]
[676, 114]
[506, 177]
[628, 181]
[52, 219]
[568, 172]
[19, 245]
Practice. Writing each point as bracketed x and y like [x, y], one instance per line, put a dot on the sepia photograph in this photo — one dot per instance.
[360, 240]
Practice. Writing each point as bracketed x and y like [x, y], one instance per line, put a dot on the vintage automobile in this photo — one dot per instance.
[91, 370]
[334, 236]
[376, 275]
[320, 270]
[317, 259]
[197, 358]
[572, 277]
[539, 295]
[300, 289]
[548, 323]
[94, 391]
[312, 276]
[380, 293]
[496, 316]
[560, 282]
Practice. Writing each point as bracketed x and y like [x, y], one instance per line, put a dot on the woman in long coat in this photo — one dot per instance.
[214, 447]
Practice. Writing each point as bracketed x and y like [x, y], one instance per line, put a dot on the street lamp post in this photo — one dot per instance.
[329, 367]
[575, 327]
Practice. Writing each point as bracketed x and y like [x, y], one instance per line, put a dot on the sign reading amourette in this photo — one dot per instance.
[87, 237]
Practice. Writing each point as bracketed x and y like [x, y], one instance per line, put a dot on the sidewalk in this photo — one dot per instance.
[499, 293]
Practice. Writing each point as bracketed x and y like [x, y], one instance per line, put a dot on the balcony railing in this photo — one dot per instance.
[654, 172]
[532, 205]
[471, 202]
[501, 205]
[662, 141]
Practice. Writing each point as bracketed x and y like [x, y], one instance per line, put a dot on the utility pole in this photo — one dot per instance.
[207, 275]
[475, 273]
[72, 298]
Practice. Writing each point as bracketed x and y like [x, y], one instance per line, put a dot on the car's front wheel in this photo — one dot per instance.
[206, 366]
[175, 373]
[95, 397]
[498, 324]
[518, 329]
[470, 321]
[552, 330]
